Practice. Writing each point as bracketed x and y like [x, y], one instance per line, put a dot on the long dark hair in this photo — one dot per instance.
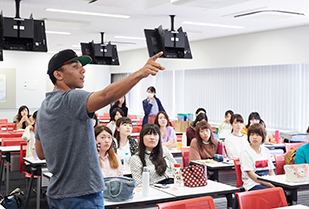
[119, 122]
[113, 114]
[201, 126]
[152, 89]
[200, 117]
[157, 118]
[156, 155]
[19, 116]
[253, 115]
[117, 103]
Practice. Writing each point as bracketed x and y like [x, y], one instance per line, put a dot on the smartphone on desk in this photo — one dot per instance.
[162, 186]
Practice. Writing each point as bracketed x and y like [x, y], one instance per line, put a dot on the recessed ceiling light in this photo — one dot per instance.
[130, 37]
[86, 13]
[58, 32]
[212, 25]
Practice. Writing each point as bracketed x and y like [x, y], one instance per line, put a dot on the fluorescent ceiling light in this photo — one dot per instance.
[212, 25]
[130, 37]
[57, 32]
[86, 13]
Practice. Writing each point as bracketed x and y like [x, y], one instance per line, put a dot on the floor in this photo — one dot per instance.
[225, 176]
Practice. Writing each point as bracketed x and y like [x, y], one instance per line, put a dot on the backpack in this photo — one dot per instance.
[289, 158]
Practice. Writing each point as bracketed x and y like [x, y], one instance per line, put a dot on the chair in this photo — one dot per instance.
[237, 166]
[23, 148]
[264, 198]
[214, 130]
[11, 141]
[200, 202]
[279, 159]
[288, 146]
[10, 126]
[221, 149]
[185, 156]
[17, 134]
[5, 135]
[132, 116]
[179, 138]
[136, 129]
[3, 120]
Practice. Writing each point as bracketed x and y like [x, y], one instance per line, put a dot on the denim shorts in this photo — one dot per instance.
[91, 201]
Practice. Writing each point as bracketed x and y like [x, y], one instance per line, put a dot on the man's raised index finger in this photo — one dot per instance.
[155, 57]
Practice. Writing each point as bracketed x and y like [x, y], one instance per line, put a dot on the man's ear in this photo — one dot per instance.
[58, 75]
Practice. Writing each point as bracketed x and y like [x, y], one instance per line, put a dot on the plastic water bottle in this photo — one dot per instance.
[177, 175]
[126, 162]
[145, 182]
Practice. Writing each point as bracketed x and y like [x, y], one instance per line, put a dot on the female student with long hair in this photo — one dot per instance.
[109, 161]
[120, 103]
[253, 118]
[255, 160]
[168, 136]
[115, 115]
[23, 118]
[204, 145]
[29, 137]
[190, 132]
[152, 155]
[125, 143]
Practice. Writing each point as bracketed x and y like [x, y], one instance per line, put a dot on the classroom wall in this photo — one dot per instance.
[276, 47]
[31, 68]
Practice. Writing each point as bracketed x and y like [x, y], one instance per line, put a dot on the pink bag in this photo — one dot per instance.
[194, 175]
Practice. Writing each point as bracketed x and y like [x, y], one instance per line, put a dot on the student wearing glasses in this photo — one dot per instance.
[109, 161]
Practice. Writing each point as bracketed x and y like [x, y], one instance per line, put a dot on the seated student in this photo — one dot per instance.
[109, 161]
[226, 125]
[190, 132]
[302, 153]
[116, 114]
[23, 118]
[28, 136]
[168, 136]
[204, 145]
[253, 118]
[120, 103]
[124, 142]
[255, 160]
[151, 154]
[197, 112]
[235, 142]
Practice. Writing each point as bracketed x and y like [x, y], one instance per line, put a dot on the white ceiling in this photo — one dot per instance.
[152, 13]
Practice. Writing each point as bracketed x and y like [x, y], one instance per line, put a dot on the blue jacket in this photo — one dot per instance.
[147, 107]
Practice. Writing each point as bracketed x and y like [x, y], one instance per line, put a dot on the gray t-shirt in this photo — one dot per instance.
[66, 133]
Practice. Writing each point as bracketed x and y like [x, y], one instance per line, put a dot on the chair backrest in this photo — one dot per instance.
[264, 198]
[17, 134]
[23, 148]
[132, 116]
[288, 146]
[214, 130]
[221, 149]
[5, 134]
[237, 166]
[200, 202]
[279, 159]
[11, 141]
[10, 126]
[136, 129]
[3, 120]
[185, 156]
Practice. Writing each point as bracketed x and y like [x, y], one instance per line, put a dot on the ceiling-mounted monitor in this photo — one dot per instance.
[103, 54]
[22, 34]
[174, 44]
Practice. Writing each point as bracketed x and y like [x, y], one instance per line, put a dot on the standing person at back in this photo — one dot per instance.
[70, 152]
[151, 105]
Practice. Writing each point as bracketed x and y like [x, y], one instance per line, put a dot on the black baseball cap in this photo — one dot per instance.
[64, 57]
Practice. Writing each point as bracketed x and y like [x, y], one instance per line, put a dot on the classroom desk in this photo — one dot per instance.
[279, 180]
[155, 196]
[275, 146]
[215, 166]
[137, 134]
[6, 158]
[212, 188]
[294, 207]
[36, 169]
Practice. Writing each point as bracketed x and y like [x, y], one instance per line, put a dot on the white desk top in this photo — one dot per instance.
[212, 187]
[47, 174]
[137, 134]
[280, 179]
[216, 165]
[294, 207]
[175, 151]
[10, 149]
[154, 195]
[32, 161]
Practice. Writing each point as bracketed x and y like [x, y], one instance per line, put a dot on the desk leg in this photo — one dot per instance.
[38, 187]
[229, 199]
[294, 197]
[7, 177]
[29, 187]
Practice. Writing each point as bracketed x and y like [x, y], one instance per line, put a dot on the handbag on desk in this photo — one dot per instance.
[194, 175]
[118, 189]
[296, 173]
